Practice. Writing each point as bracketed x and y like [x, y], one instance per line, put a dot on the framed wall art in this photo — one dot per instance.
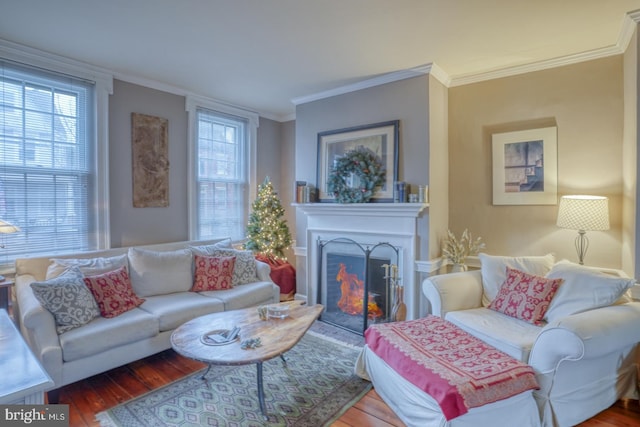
[379, 138]
[150, 161]
[525, 167]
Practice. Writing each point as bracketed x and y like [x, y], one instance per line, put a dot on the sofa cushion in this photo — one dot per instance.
[494, 271]
[88, 266]
[244, 296]
[173, 310]
[583, 289]
[113, 293]
[159, 273]
[68, 299]
[103, 334]
[213, 273]
[510, 335]
[244, 270]
[525, 296]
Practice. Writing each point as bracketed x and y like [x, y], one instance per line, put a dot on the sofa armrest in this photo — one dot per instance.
[38, 328]
[264, 271]
[590, 334]
[454, 291]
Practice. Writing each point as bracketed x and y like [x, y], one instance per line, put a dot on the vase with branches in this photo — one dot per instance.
[456, 250]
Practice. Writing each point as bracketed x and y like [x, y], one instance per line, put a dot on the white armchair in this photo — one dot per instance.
[584, 362]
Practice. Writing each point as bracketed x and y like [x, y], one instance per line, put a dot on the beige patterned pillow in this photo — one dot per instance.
[68, 299]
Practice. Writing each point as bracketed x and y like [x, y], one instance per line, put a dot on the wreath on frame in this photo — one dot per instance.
[363, 164]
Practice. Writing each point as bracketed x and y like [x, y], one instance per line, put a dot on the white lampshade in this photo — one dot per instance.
[587, 213]
[8, 228]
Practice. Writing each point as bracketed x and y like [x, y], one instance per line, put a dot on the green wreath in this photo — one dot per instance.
[365, 165]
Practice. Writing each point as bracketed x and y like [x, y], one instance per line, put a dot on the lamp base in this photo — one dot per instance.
[582, 244]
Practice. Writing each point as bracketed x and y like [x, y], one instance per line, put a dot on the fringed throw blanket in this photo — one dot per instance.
[457, 369]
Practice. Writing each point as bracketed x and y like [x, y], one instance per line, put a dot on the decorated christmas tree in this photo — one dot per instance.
[268, 234]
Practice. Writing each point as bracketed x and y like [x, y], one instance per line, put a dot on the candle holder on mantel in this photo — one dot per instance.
[395, 291]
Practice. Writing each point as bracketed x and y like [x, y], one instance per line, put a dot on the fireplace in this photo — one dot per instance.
[393, 223]
[353, 282]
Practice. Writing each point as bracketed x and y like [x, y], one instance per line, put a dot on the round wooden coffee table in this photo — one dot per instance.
[277, 336]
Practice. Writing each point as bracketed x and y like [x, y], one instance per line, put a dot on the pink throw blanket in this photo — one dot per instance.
[457, 369]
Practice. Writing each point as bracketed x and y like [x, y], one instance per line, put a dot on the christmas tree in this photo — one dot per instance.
[268, 234]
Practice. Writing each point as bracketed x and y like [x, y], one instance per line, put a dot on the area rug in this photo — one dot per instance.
[314, 388]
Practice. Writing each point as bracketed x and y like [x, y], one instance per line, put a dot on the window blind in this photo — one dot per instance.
[47, 148]
[221, 147]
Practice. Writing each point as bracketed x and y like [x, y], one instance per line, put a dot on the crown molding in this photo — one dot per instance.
[629, 24]
[375, 81]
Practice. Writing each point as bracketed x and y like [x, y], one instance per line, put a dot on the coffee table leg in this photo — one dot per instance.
[206, 372]
[261, 389]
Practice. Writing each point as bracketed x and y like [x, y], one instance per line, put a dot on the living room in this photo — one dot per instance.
[446, 127]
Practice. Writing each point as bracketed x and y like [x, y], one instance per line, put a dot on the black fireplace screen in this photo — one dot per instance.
[352, 282]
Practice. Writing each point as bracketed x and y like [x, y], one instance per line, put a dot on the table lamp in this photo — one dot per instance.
[583, 213]
[6, 228]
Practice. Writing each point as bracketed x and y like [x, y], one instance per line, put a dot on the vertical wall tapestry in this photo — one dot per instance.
[150, 161]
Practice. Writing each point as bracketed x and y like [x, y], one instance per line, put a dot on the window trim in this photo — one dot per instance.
[103, 81]
[253, 121]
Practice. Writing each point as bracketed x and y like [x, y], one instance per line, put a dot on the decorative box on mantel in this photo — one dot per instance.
[367, 224]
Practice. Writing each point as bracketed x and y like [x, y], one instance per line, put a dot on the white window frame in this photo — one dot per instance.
[253, 120]
[103, 88]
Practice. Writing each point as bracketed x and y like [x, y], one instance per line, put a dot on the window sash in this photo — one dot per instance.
[221, 178]
[47, 164]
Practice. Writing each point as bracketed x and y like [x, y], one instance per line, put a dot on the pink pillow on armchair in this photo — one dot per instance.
[525, 296]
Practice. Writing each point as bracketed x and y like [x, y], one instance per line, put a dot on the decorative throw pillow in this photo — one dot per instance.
[88, 266]
[113, 293]
[213, 273]
[244, 270]
[208, 249]
[160, 272]
[525, 296]
[494, 271]
[584, 289]
[68, 299]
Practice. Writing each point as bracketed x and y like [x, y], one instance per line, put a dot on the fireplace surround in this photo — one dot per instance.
[391, 223]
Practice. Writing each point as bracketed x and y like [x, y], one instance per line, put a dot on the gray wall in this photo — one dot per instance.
[406, 100]
[136, 226]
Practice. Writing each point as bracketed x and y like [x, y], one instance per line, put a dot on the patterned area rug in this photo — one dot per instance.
[313, 388]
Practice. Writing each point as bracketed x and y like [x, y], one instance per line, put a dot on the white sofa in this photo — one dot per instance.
[105, 343]
[584, 352]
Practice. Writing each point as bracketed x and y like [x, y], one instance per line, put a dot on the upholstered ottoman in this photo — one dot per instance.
[432, 373]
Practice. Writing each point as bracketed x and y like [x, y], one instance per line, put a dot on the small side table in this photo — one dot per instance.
[5, 292]
[24, 380]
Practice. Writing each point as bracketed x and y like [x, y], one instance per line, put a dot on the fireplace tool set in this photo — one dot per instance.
[396, 292]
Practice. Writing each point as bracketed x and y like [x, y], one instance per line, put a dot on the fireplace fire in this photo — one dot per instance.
[352, 283]
[352, 295]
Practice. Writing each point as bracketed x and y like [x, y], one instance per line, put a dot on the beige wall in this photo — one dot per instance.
[630, 199]
[585, 102]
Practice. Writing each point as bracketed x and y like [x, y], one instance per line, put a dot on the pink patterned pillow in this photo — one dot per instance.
[525, 296]
[113, 292]
[213, 273]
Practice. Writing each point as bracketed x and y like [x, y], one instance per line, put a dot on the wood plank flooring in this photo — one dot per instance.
[88, 397]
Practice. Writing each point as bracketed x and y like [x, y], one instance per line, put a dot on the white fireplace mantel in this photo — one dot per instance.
[393, 223]
[359, 209]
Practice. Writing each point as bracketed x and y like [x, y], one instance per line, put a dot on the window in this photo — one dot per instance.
[48, 177]
[222, 147]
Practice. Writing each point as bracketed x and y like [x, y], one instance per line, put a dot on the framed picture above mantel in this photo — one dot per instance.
[380, 139]
[525, 167]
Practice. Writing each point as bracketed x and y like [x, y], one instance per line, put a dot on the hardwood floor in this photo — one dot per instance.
[88, 397]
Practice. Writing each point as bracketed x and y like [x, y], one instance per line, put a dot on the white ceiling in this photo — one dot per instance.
[262, 54]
